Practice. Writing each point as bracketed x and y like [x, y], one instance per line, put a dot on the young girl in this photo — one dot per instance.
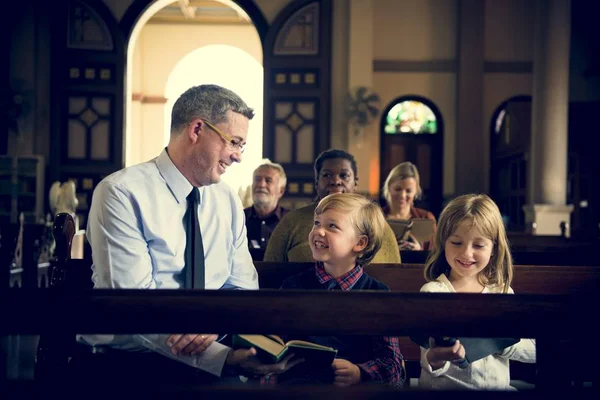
[347, 233]
[470, 255]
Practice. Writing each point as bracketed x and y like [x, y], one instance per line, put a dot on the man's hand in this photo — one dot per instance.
[346, 373]
[246, 359]
[191, 344]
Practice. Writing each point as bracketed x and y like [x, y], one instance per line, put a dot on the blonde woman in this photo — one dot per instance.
[400, 190]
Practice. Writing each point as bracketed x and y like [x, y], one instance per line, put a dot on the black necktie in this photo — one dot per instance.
[194, 250]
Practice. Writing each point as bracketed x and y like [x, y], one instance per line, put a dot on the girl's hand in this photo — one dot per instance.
[346, 373]
[437, 356]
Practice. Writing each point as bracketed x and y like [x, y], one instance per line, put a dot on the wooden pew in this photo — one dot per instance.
[317, 312]
[322, 310]
[580, 255]
[529, 279]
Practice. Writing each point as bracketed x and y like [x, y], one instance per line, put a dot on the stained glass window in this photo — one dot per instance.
[410, 116]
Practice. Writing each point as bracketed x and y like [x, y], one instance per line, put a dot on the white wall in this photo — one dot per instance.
[420, 30]
[159, 48]
[164, 45]
[413, 30]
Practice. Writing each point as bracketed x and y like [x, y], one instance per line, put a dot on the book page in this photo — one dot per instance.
[401, 228]
[302, 343]
[265, 343]
[422, 229]
[276, 338]
[210, 360]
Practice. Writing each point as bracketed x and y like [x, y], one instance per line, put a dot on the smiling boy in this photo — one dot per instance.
[347, 232]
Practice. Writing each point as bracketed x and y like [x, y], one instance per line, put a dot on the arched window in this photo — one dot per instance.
[412, 130]
[410, 116]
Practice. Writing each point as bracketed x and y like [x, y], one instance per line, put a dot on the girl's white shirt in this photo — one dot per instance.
[489, 373]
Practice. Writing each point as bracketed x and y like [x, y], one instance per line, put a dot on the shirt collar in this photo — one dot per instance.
[177, 183]
[345, 282]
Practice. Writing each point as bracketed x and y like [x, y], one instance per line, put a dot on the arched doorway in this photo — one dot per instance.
[192, 70]
[164, 40]
[412, 129]
[92, 84]
[510, 130]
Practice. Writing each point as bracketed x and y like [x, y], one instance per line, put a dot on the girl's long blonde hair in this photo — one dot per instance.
[485, 216]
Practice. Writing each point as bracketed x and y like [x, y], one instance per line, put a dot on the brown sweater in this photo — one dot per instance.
[289, 241]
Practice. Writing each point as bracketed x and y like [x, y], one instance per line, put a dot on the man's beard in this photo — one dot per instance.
[262, 199]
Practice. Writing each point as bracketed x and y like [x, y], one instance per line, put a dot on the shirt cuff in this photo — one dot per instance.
[365, 374]
[427, 367]
[213, 358]
[210, 360]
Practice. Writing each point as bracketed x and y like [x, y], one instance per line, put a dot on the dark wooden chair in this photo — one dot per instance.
[66, 274]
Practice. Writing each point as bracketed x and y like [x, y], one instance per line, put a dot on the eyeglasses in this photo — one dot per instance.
[234, 144]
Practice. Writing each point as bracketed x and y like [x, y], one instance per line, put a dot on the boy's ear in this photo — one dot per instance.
[360, 245]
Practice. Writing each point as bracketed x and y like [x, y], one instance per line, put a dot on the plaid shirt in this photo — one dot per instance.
[386, 366]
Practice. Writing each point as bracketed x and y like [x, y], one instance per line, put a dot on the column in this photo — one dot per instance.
[365, 146]
[470, 159]
[546, 207]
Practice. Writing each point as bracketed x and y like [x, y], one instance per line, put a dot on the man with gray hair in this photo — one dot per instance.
[268, 186]
[171, 223]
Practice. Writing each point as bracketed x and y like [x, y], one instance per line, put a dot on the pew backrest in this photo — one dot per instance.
[528, 279]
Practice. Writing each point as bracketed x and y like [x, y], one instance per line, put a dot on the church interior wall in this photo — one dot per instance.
[403, 32]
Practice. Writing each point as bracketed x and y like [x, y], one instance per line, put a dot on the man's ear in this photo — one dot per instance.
[193, 130]
[360, 245]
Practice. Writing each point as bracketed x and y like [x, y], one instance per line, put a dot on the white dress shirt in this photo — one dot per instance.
[136, 231]
[489, 373]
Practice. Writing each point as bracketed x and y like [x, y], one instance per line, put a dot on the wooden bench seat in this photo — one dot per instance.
[541, 309]
[529, 279]
[548, 318]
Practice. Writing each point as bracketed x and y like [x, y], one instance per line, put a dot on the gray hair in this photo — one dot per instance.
[210, 102]
[278, 168]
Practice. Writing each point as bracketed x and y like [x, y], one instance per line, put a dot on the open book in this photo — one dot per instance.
[422, 229]
[475, 348]
[401, 228]
[272, 349]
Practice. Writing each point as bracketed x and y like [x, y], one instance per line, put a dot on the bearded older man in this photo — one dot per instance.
[268, 186]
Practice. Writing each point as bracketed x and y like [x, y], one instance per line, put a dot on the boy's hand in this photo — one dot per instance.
[346, 373]
[437, 356]
[246, 359]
